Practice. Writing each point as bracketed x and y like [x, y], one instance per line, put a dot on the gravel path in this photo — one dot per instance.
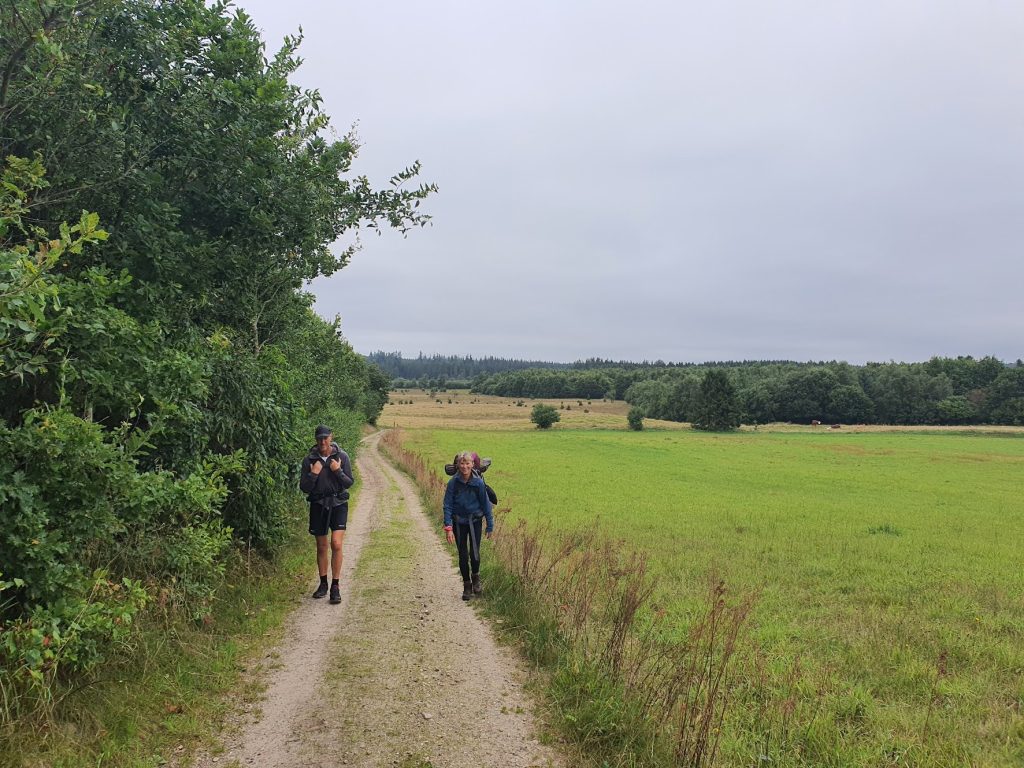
[402, 672]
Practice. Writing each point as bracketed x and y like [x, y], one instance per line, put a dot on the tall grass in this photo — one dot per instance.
[632, 685]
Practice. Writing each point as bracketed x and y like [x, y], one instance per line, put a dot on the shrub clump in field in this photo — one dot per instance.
[544, 415]
[635, 418]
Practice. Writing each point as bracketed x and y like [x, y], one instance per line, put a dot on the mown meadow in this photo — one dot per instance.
[887, 566]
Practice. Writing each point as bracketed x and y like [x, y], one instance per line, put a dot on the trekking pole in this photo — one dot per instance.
[475, 541]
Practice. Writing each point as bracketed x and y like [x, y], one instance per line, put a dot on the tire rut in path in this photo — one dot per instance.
[402, 673]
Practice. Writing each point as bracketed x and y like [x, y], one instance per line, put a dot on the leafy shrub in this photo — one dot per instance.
[52, 522]
[191, 562]
[635, 418]
[544, 415]
[73, 634]
[249, 411]
[157, 393]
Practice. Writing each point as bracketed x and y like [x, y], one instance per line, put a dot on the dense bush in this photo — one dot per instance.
[159, 376]
[544, 415]
[635, 418]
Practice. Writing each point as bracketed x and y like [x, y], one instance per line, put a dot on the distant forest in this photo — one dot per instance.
[438, 371]
[448, 370]
[953, 391]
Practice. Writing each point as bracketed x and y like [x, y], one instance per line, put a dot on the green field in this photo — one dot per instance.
[891, 565]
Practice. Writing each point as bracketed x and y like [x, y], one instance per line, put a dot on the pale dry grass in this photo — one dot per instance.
[469, 411]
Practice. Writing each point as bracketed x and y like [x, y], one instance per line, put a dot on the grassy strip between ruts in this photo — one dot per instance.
[164, 696]
[388, 550]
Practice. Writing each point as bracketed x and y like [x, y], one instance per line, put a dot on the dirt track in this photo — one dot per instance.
[402, 672]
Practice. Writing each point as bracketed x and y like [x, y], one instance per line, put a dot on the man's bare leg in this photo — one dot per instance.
[337, 538]
[321, 565]
[321, 555]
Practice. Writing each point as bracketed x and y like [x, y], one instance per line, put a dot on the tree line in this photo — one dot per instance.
[440, 371]
[167, 193]
[955, 391]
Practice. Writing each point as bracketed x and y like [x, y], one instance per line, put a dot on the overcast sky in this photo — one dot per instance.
[685, 181]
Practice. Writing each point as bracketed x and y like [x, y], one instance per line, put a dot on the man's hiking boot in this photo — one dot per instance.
[467, 590]
[477, 587]
[335, 594]
[321, 591]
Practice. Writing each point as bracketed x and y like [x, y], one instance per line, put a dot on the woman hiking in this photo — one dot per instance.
[466, 506]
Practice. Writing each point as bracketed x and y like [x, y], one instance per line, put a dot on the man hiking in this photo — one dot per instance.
[326, 476]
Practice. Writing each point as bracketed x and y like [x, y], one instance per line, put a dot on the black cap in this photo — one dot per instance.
[322, 431]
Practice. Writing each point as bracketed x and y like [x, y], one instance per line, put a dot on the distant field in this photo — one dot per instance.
[891, 563]
[415, 409]
[457, 409]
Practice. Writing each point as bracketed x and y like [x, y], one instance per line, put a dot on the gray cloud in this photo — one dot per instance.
[682, 181]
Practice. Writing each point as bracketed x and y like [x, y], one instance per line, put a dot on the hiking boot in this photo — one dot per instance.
[321, 591]
[477, 587]
[467, 590]
[335, 594]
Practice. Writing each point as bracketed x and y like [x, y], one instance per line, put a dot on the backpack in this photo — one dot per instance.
[479, 467]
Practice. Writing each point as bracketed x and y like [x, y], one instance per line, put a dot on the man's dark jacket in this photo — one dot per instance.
[328, 489]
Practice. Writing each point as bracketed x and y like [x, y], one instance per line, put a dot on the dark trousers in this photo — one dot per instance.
[467, 539]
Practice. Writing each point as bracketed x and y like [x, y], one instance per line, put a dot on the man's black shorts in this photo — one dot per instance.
[323, 518]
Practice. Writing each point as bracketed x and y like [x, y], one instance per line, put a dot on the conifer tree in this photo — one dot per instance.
[717, 408]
